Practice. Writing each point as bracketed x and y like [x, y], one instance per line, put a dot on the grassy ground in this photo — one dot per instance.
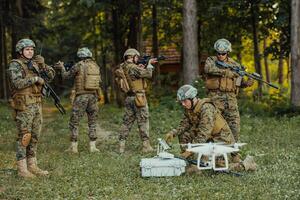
[107, 175]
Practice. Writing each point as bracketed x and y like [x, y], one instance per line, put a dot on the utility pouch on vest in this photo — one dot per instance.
[92, 77]
[26, 139]
[212, 83]
[227, 84]
[140, 99]
[238, 81]
[219, 124]
[18, 102]
[121, 80]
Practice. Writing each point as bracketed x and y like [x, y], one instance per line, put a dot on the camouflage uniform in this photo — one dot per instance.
[85, 100]
[26, 101]
[202, 124]
[223, 89]
[137, 75]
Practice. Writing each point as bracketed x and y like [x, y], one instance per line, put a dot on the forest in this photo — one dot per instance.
[265, 38]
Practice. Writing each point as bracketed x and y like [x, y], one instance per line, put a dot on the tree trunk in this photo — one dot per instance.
[266, 62]
[295, 53]
[280, 68]
[139, 45]
[117, 48]
[254, 10]
[155, 50]
[190, 43]
[3, 54]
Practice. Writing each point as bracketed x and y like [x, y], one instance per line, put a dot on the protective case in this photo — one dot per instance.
[158, 167]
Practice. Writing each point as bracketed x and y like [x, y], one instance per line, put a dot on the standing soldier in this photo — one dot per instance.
[223, 85]
[202, 123]
[26, 100]
[136, 106]
[87, 92]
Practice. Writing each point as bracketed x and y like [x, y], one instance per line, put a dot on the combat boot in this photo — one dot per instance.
[122, 146]
[93, 147]
[22, 169]
[34, 169]
[147, 147]
[73, 147]
[249, 164]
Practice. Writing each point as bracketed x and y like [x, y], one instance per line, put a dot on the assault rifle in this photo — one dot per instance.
[241, 71]
[47, 90]
[145, 59]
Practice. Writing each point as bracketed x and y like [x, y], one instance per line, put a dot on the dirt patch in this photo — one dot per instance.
[103, 134]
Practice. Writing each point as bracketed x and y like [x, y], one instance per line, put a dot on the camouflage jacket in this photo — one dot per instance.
[17, 77]
[210, 69]
[135, 72]
[201, 120]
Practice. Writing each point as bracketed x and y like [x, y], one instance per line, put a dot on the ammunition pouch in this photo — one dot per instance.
[139, 85]
[140, 99]
[219, 124]
[21, 101]
[223, 84]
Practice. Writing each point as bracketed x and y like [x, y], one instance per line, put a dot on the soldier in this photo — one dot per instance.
[136, 106]
[202, 122]
[87, 91]
[26, 100]
[223, 85]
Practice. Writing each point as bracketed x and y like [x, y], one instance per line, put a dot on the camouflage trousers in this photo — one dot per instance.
[132, 113]
[227, 103]
[84, 103]
[225, 136]
[28, 121]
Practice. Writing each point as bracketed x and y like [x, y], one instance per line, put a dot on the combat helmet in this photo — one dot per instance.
[186, 92]
[131, 52]
[222, 46]
[21, 44]
[84, 52]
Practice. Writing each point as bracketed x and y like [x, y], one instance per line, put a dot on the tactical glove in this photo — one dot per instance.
[169, 136]
[186, 154]
[39, 80]
[40, 61]
[59, 65]
[249, 82]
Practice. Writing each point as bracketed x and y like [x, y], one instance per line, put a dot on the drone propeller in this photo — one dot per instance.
[237, 145]
[210, 148]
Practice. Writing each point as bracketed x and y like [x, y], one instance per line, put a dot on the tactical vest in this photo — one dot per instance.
[21, 98]
[88, 77]
[223, 83]
[220, 122]
[138, 85]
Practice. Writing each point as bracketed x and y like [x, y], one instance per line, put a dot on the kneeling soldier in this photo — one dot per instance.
[202, 122]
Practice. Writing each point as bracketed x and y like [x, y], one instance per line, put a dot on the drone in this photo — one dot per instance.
[213, 150]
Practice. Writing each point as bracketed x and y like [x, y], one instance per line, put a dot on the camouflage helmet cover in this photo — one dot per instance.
[131, 52]
[186, 92]
[222, 46]
[21, 44]
[84, 52]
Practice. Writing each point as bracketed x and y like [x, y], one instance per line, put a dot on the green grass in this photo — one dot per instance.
[106, 175]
